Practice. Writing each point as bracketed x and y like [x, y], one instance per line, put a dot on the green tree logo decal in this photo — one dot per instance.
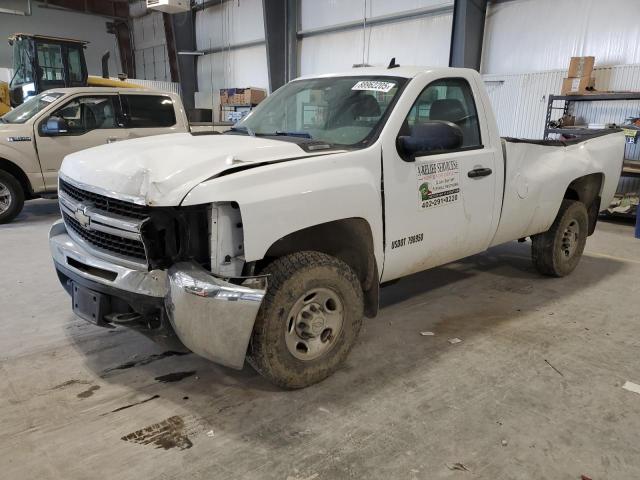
[424, 191]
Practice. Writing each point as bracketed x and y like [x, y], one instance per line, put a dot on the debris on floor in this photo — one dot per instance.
[625, 204]
[458, 466]
[584, 477]
[504, 443]
[453, 341]
[557, 371]
[210, 433]
[427, 334]
[632, 387]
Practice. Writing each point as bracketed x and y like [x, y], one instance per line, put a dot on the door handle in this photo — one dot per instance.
[112, 139]
[479, 172]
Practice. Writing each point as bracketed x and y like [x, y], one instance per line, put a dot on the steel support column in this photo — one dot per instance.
[467, 33]
[184, 35]
[171, 48]
[280, 29]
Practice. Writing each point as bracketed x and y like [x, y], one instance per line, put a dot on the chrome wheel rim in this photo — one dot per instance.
[314, 324]
[570, 238]
[5, 198]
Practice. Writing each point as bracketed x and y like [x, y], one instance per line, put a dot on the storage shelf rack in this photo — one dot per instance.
[587, 97]
[630, 168]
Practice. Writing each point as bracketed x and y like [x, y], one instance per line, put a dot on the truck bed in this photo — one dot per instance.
[537, 174]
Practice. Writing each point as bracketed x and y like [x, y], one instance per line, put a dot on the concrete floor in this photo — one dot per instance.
[533, 391]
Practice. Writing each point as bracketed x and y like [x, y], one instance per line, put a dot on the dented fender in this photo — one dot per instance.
[281, 198]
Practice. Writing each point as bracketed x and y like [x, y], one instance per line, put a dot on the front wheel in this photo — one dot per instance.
[11, 197]
[309, 319]
[557, 251]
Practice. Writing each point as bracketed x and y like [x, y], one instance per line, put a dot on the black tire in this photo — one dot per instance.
[291, 278]
[15, 198]
[557, 251]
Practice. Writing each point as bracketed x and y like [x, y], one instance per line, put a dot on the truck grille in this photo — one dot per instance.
[106, 241]
[106, 204]
[109, 225]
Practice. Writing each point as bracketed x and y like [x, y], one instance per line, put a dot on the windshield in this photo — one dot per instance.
[338, 110]
[21, 62]
[29, 108]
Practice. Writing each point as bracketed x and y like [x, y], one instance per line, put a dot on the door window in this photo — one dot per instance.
[75, 66]
[148, 111]
[448, 100]
[88, 113]
[50, 64]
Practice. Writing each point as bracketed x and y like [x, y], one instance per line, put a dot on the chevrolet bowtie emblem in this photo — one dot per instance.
[81, 216]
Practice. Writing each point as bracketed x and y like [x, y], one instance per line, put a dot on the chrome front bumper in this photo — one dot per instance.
[211, 316]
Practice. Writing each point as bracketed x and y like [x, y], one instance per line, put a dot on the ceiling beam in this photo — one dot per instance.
[116, 9]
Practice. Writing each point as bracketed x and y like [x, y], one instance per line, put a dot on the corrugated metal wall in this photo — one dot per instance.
[150, 43]
[422, 40]
[520, 100]
[540, 35]
[172, 87]
[218, 27]
[520, 104]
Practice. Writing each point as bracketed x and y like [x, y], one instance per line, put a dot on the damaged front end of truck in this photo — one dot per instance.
[149, 268]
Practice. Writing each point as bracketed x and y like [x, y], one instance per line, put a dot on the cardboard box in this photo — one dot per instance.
[581, 67]
[577, 86]
[242, 96]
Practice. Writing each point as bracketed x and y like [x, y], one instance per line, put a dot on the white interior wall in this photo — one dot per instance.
[230, 23]
[539, 35]
[246, 67]
[150, 43]
[324, 13]
[420, 41]
[46, 21]
[520, 100]
[5, 74]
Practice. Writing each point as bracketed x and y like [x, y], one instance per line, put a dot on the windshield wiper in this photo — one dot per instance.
[246, 130]
[280, 133]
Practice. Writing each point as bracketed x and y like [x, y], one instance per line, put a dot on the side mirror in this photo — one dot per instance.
[55, 126]
[430, 137]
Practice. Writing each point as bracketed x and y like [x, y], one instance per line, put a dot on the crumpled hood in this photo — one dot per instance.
[161, 170]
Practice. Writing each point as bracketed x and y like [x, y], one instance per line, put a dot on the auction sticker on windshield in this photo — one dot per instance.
[48, 99]
[438, 183]
[373, 86]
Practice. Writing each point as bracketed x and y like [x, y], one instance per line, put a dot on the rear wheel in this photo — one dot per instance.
[11, 197]
[557, 251]
[309, 319]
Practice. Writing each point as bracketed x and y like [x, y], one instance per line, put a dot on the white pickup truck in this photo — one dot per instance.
[271, 242]
[37, 135]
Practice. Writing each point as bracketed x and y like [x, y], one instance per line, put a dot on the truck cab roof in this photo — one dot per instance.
[408, 71]
[98, 90]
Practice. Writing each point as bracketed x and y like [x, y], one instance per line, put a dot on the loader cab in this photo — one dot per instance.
[41, 63]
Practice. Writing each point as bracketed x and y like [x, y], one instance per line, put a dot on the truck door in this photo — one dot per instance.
[440, 205]
[91, 120]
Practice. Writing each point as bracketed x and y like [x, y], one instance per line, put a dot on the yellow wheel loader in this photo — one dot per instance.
[41, 62]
